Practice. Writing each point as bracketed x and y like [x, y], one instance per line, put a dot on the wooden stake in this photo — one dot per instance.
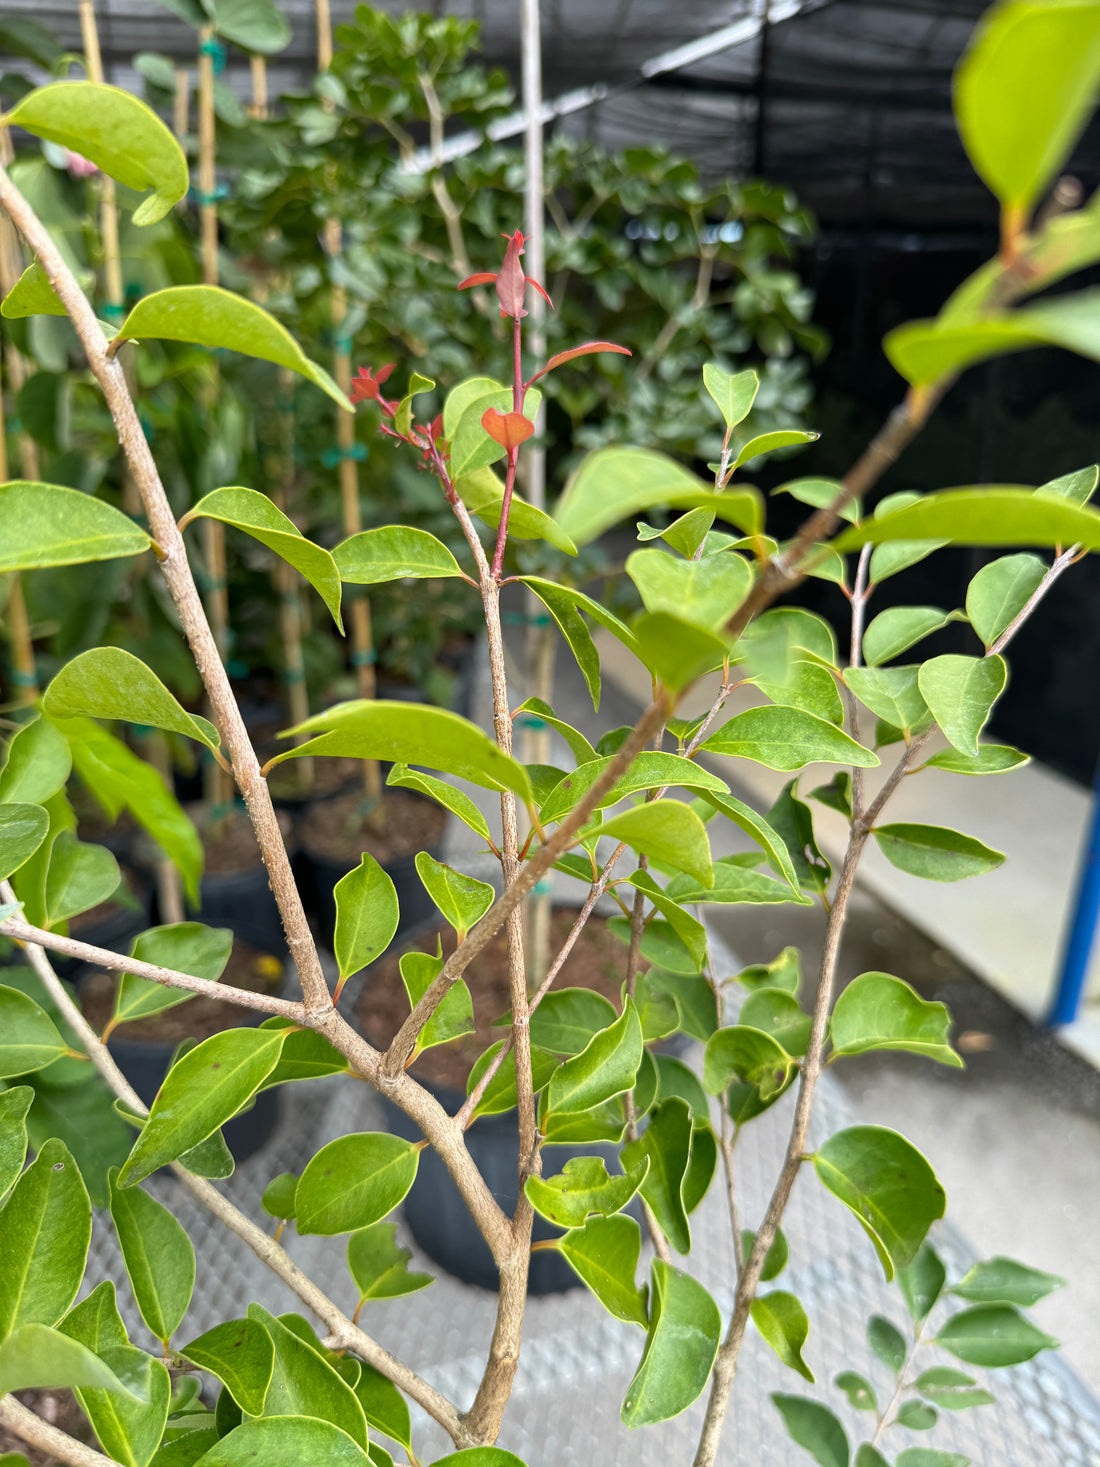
[259, 87]
[181, 104]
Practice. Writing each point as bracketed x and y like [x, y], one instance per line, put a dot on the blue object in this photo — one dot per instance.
[1082, 931]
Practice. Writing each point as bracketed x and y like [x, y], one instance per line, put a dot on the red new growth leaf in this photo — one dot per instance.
[511, 282]
[507, 429]
[366, 387]
[485, 277]
[530, 279]
[579, 351]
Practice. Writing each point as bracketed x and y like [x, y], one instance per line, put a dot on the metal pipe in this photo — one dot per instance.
[1074, 968]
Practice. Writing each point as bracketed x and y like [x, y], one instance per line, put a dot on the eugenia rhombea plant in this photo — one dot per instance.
[630, 819]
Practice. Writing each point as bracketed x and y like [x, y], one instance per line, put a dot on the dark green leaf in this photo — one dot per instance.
[240, 1354]
[666, 1142]
[158, 1255]
[45, 1229]
[891, 693]
[775, 1261]
[815, 1428]
[922, 1282]
[877, 1011]
[37, 764]
[887, 1342]
[28, 1042]
[14, 1104]
[354, 1181]
[278, 1199]
[23, 828]
[1004, 1281]
[935, 852]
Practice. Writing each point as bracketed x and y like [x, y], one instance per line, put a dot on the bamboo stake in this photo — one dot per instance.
[181, 103]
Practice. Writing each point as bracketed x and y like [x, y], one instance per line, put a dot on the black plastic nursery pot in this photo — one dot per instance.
[244, 902]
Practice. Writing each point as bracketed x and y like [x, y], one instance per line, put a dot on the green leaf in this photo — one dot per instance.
[688, 930]
[547, 592]
[240, 1354]
[206, 315]
[453, 1016]
[769, 442]
[669, 832]
[480, 1457]
[14, 1104]
[757, 829]
[606, 1067]
[900, 627]
[305, 1055]
[684, 1330]
[877, 1011]
[777, 1255]
[1080, 486]
[393, 553]
[735, 883]
[383, 1406]
[649, 771]
[354, 1181]
[257, 25]
[255, 514]
[367, 915]
[304, 1383]
[783, 972]
[676, 652]
[820, 494]
[534, 713]
[922, 1282]
[733, 392]
[916, 1416]
[158, 1255]
[869, 1456]
[1004, 1281]
[1000, 591]
[278, 1200]
[380, 1268]
[113, 130]
[78, 878]
[463, 900]
[483, 494]
[815, 1428]
[34, 1355]
[787, 739]
[562, 607]
[471, 448]
[782, 1321]
[666, 1143]
[567, 1019]
[584, 1187]
[130, 1426]
[999, 515]
[45, 1229]
[95, 1321]
[887, 1342]
[777, 1013]
[685, 534]
[188, 947]
[203, 1090]
[410, 733]
[106, 682]
[951, 1390]
[935, 852]
[615, 484]
[892, 694]
[28, 1042]
[45, 525]
[990, 759]
[960, 693]
[1050, 50]
[436, 789]
[706, 592]
[860, 1392]
[37, 765]
[285, 1440]
[500, 1093]
[889, 1186]
[604, 1253]
[32, 295]
[758, 1059]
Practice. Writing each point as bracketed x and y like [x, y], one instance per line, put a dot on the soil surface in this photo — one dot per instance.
[598, 961]
[59, 1408]
[229, 843]
[200, 1016]
[336, 830]
[330, 777]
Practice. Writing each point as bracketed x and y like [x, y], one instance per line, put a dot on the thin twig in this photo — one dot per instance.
[55, 1443]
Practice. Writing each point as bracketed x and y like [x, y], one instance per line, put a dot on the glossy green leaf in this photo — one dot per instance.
[677, 652]
[777, 1255]
[393, 553]
[807, 686]
[584, 1187]
[815, 1428]
[782, 1321]
[130, 1426]
[463, 900]
[706, 591]
[203, 1090]
[749, 1055]
[240, 1354]
[916, 1416]
[304, 1383]
[158, 1255]
[666, 1142]
[305, 1055]
[606, 1067]
[257, 25]
[892, 694]
[686, 533]
[877, 1011]
[1004, 1281]
[95, 1321]
[604, 1253]
[188, 947]
[367, 914]
[769, 442]
[115, 131]
[354, 1181]
[483, 494]
[777, 1013]
[28, 1041]
[563, 608]
[733, 392]
[999, 515]
[1049, 50]
[471, 447]
[787, 739]
[567, 1019]
[820, 494]
[935, 852]
[23, 828]
[887, 1342]
[208, 316]
[34, 1355]
[254, 513]
[889, 1186]
[689, 931]
[669, 832]
[14, 1104]
[897, 629]
[859, 1390]
[461, 805]
[452, 1016]
[278, 1199]
[649, 771]
[1079, 486]
[107, 682]
[990, 759]
[500, 1093]
[37, 764]
[922, 1282]
[45, 1229]
[993, 1335]
[480, 1457]
[380, 1267]
[32, 295]
[734, 883]
[951, 1390]
[78, 878]
[1000, 591]
[535, 713]
[412, 733]
[960, 693]
[285, 1440]
[758, 829]
[682, 1341]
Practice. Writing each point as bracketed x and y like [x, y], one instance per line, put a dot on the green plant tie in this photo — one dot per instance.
[213, 48]
[237, 667]
[543, 887]
[224, 808]
[532, 721]
[219, 191]
[332, 457]
[527, 618]
[207, 582]
[344, 344]
[364, 658]
[114, 310]
[23, 679]
[294, 674]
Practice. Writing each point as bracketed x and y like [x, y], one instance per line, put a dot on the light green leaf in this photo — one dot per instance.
[34, 1355]
[877, 1011]
[45, 1229]
[384, 1405]
[669, 832]
[436, 789]
[649, 771]
[677, 652]
[599, 614]
[604, 1253]
[28, 1042]
[787, 739]
[113, 130]
[993, 1335]
[106, 682]
[567, 1019]
[32, 295]
[37, 765]
[130, 1426]
[78, 877]
[95, 1321]
[869, 1456]
[354, 1181]
[922, 1282]
[820, 494]
[45, 524]
[14, 1104]
[203, 1090]
[783, 972]
[777, 1256]
[562, 607]
[278, 1200]
[1000, 591]
[605, 1067]
[257, 25]
[666, 1144]
[483, 494]
[733, 392]
[887, 1184]
[750, 1055]
[782, 1321]
[960, 693]
[990, 759]
[188, 947]
[769, 442]
[935, 852]
[453, 1016]
[367, 915]
[892, 694]
[412, 733]
[706, 592]
[1004, 1281]
[480, 1457]
[859, 1390]
[998, 515]
[255, 514]
[158, 1255]
[807, 686]
[285, 1440]
[379, 1267]
[305, 1055]
[304, 1383]
[684, 1330]
[777, 1013]
[1080, 486]
[757, 829]
[500, 1093]
[685, 534]
[688, 929]
[463, 900]
[393, 553]
[584, 1187]
[209, 316]
[815, 1428]
[733, 883]
[951, 1390]
[887, 1342]
[916, 1416]
[240, 1354]
[896, 630]
[471, 448]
